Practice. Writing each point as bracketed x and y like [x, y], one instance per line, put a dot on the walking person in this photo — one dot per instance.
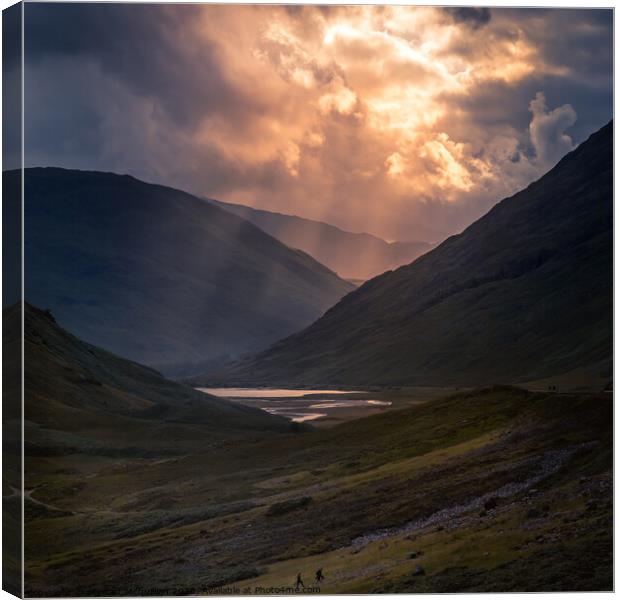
[299, 582]
[319, 576]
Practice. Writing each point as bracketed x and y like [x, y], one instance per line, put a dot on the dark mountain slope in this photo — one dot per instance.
[159, 276]
[81, 390]
[351, 255]
[523, 293]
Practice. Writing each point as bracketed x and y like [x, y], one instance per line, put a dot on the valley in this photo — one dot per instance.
[139, 485]
[445, 427]
[482, 490]
[305, 299]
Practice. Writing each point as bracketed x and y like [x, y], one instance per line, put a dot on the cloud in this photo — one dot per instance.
[475, 17]
[393, 119]
[548, 130]
[340, 99]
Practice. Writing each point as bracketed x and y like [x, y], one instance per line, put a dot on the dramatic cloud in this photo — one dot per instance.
[548, 130]
[408, 122]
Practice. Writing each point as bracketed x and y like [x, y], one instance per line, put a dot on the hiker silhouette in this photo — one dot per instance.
[319, 576]
[299, 582]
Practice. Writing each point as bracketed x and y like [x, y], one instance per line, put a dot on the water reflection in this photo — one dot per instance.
[297, 405]
[349, 403]
[267, 392]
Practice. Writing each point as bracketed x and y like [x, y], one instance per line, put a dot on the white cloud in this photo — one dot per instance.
[548, 130]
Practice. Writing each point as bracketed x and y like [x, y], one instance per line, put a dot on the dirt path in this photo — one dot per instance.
[28, 496]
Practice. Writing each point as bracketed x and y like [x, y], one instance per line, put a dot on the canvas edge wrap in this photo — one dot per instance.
[12, 302]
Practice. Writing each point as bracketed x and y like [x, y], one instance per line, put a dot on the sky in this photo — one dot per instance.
[406, 122]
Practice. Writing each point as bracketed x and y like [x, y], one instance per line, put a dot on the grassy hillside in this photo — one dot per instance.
[523, 294]
[489, 490]
[158, 276]
[88, 411]
[354, 256]
[79, 398]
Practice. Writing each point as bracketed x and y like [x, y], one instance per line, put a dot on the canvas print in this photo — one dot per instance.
[305, 299]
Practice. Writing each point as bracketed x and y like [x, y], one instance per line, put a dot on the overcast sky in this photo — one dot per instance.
[405, 122]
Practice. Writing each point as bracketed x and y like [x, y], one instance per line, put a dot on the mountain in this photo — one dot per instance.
[354, 256]
[78, 396]
[523, 294]
[159, 276]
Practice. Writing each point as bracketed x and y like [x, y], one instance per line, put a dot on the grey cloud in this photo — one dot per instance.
[579, 39]
[473, 16]
[104, 124]
[548, 130]
[143, 45]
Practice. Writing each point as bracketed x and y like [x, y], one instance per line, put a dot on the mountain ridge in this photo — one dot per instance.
[159, 276]
[552, 238]
[353, 255]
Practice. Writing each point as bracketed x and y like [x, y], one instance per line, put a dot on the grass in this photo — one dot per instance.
[257, 512]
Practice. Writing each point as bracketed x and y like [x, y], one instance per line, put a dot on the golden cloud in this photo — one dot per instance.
[408, 121]
[382, 77]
